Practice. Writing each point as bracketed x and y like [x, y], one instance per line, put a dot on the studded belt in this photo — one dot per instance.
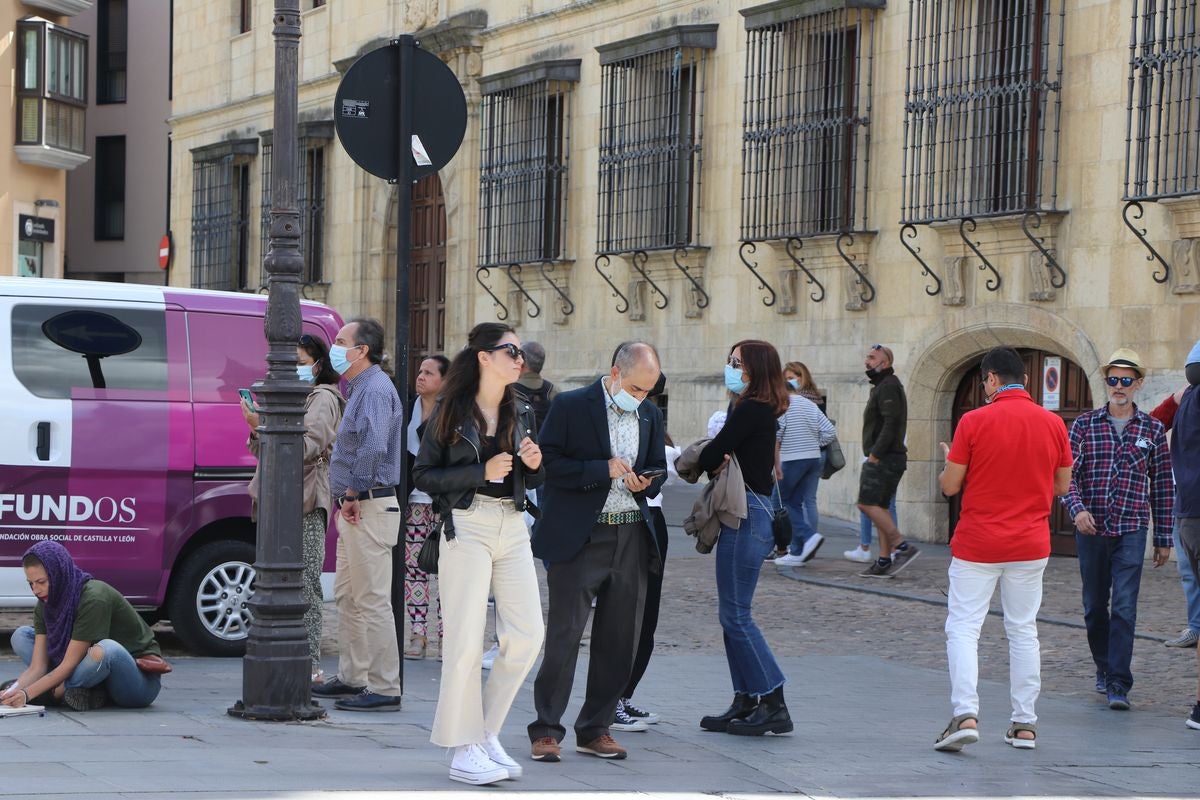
[620, 518]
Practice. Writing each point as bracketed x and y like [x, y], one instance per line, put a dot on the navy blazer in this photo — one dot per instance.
[575, 453]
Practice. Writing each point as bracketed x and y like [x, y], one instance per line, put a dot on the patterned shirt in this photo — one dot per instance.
[1120, 479]
[366, 454]
[623, 435]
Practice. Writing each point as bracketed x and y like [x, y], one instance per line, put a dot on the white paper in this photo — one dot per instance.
[419, 154]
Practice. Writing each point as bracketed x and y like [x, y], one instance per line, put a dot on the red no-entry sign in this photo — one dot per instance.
[164, 251]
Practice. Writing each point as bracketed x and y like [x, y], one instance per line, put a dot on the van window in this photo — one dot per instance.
[57, 349]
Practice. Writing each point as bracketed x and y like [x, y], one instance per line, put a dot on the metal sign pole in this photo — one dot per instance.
[404, 184]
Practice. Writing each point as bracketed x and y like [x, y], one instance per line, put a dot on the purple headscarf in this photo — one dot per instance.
[66, 585]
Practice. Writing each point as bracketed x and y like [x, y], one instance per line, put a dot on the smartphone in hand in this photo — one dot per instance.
[248, 399]
[651, 473]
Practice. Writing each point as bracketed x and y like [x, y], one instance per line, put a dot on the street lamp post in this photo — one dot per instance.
[276, 669]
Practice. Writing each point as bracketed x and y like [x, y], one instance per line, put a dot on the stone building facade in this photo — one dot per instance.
[824, 174]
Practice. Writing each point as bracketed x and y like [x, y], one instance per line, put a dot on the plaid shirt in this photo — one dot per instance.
[1119, 480]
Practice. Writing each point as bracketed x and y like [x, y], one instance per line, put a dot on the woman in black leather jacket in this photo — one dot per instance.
[478, 455]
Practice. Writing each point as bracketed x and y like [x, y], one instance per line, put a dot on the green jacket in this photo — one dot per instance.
[885, 419]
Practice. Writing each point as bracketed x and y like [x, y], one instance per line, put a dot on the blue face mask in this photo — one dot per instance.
[795, 384]
[337, 359]
[625, 401]
[305, 373]
[733, 380]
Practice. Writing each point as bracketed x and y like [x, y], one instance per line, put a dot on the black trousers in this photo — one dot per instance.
[654, 582]
[612, 567]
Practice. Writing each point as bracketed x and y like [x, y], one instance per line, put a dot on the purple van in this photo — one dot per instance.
[121, 436]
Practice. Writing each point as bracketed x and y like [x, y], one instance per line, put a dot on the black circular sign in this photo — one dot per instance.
[366, 112]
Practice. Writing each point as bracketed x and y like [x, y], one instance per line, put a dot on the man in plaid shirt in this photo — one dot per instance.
[1122, 474]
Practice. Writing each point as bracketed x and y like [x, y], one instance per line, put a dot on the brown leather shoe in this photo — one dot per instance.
[546, 749]
[603, 746]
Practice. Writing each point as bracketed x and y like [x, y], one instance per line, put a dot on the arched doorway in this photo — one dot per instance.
[1075, 397]
[427, 272]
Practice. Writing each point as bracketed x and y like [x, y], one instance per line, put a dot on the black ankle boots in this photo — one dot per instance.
[743, 705]
[769, 716]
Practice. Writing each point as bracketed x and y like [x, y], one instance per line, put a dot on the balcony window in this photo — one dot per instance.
[51, 94]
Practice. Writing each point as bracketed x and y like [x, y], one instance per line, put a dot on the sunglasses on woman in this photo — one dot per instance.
[1126, 381]
[513, 351]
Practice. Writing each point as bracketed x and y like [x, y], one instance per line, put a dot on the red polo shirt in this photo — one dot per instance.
[1011, 449]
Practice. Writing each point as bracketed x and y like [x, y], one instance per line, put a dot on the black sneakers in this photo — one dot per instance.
[901, 558]
[88, 699]
[879, 569]
[1193, 720]
[335, 688]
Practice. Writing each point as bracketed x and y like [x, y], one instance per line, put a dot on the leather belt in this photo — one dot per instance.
[371, 494]
[620, 518]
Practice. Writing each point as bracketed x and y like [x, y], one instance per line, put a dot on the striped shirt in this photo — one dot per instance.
[1122, 478]
[803, 430]
[366, 454]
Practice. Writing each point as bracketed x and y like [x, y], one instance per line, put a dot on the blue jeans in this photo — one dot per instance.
[864, 525]
[1191, 588]
[798, 491]
[1111, 568]
[740, 554]
[126, 685]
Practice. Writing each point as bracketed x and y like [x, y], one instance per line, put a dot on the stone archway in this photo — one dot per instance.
[946, 349]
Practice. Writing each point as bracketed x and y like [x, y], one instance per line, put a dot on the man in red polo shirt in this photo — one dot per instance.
[1009, 458]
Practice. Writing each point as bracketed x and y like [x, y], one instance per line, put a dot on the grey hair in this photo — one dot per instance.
[629, 354]
[535, 356]
[369, 332]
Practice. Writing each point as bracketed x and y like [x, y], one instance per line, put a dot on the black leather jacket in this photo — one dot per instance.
[450, 474]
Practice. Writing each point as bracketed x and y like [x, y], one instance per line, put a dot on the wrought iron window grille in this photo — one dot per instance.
[651, 155]
[311, 179]
[523, 184]
[1162, 127]
[806, 128]
[981, 124]
[220, 252]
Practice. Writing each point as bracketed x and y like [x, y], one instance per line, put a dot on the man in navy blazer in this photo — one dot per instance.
[603, 453]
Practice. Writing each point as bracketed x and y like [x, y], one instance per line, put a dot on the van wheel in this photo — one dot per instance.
[209, 603]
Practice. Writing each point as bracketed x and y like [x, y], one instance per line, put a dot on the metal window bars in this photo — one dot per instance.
[982, 117]
[651, 156]
[214, 225]
[1162, 128]
[806, 131]
[524, 147]
[524, 155]
[310, 201]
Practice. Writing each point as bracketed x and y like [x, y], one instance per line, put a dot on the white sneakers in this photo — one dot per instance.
[489, 657]
[496, 753]
[472, 764]
[811, 545]
[859, 555]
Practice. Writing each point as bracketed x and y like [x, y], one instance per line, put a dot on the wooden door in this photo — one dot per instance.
[1075, 397]
[427, 275]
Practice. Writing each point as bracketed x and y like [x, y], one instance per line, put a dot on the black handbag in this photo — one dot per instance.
[781, 524]
[427, 556]
[835, 459]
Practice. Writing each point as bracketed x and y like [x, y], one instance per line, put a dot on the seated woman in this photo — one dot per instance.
[86, 641]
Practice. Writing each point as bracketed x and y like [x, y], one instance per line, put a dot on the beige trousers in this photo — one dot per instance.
[362, 589]
[491, 549]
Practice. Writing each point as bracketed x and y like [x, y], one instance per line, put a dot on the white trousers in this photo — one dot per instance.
[490, 550]
[971, 587]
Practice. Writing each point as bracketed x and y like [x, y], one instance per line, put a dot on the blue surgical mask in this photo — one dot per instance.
[625, 401]
[795, 384]
[337, 359]
[733, 380]
[305, 373]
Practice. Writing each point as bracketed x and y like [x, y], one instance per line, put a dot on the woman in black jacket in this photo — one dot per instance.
[478, 455]
[754, 374]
